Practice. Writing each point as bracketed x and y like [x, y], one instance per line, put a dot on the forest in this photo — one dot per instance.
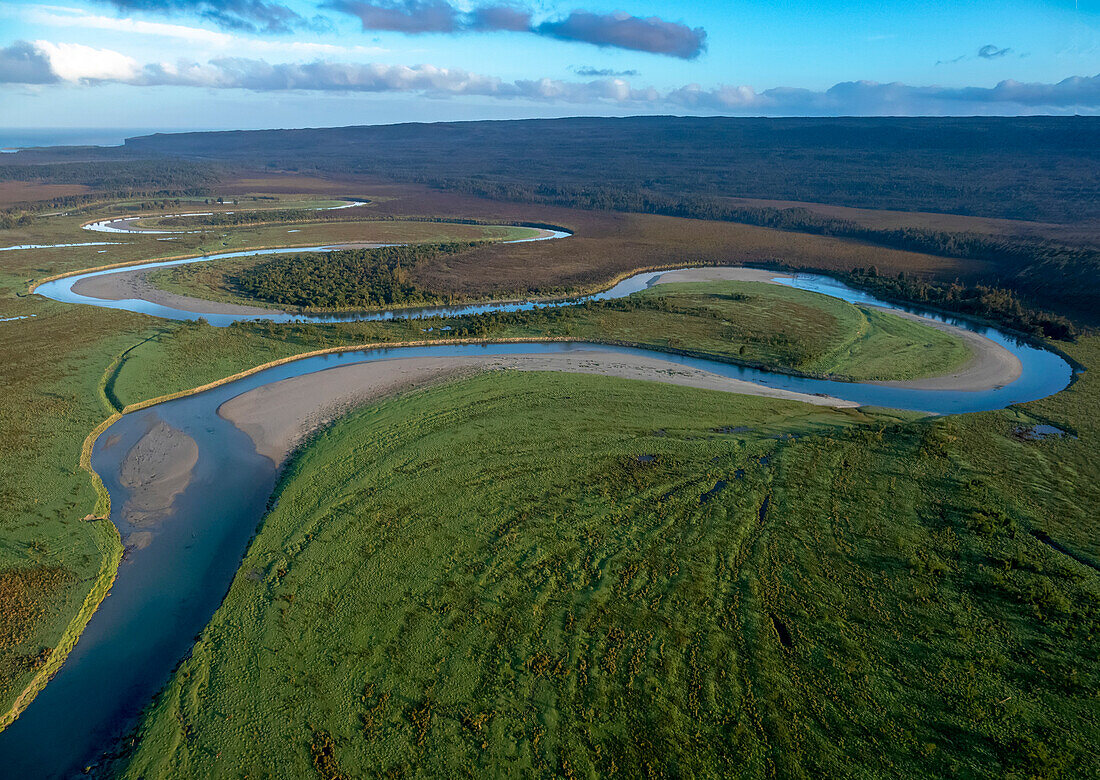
[1037, 168]
[351, 278]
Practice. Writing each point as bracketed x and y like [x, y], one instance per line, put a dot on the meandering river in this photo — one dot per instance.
[167, 591]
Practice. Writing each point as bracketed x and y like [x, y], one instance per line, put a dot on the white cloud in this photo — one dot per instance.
[76, 62]
[43, 62]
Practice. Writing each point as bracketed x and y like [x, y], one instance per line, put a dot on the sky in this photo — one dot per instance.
[221, 64]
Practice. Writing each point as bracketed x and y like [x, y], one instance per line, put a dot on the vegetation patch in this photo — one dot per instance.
[25, 595]
[352, 278]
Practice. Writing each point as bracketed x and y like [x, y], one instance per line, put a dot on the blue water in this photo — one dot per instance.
[27, 137]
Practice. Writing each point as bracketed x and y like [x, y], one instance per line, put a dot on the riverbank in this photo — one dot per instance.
[279, 416]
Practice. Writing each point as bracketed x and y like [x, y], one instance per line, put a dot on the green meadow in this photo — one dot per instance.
[553, 575]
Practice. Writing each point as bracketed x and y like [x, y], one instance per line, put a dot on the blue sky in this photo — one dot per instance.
[269, 63]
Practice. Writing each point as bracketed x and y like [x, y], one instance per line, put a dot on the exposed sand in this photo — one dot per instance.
[126, 285]
[990, 365]
[156, 470]
[280, 415]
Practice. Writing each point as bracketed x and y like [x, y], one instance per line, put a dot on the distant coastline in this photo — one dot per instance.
[16, 138]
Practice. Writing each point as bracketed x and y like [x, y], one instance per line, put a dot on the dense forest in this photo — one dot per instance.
[343, 279]
[1038, 168]
[163, 175]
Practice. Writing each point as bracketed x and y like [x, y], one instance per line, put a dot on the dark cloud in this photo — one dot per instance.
[618, 30]
[960, 58]
[991, 52]
[589, 71]
[987, 52]
[406, 16]
[242, 15]
[623, 31]
[501, 17]
[22, 63]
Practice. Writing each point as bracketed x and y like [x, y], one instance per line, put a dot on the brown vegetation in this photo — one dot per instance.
[12, 192]
[24, 594]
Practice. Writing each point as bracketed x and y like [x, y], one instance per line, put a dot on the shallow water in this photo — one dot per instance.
[59, 246]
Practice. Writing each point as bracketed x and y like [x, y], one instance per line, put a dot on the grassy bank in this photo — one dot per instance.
[755, 323]
[56, 563]
[563, 575]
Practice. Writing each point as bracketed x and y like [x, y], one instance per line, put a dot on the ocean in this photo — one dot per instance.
[23, 137]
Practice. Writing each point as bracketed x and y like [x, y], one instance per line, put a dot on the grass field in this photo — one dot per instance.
[547, 575]
[777, 327]
[213, 281]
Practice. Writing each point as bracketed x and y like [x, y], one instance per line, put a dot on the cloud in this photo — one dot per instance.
[406, 16]
[24, 63]
[589, 71]
[72, 17]
[618, 30]
[991, 52]
[987, 52]
[623, 31]
[43, 62]
[869, 98]
[501, 17]
[74, 62]
[242, 15]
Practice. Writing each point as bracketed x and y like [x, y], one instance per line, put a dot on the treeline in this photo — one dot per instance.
[122, 176]
[13, 218]
[1045, 271]
[990, 303]
[112, 179]
[343, 279]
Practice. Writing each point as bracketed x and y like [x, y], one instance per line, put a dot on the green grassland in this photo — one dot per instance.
[756, 323]
[552, 575]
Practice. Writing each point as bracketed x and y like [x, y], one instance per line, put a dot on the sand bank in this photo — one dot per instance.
[156, 470]
[280, 415]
